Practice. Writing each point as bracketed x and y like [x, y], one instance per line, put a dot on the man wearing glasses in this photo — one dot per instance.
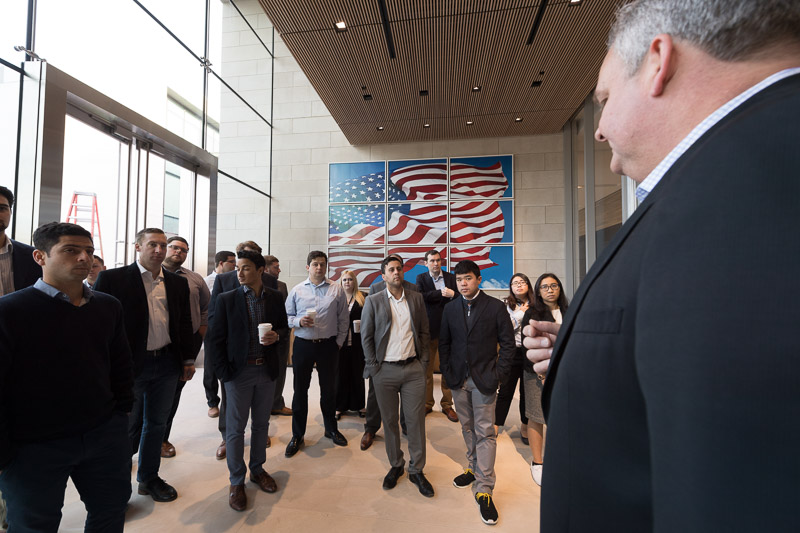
[199, 296]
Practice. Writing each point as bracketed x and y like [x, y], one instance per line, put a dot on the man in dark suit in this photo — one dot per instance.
[673, 380]
[246, 360]
[394, 335]
[158, 324]
[372, 415]
[18, 270]
[279, 407]
[438, 288]
[225, 282]
[472, 328]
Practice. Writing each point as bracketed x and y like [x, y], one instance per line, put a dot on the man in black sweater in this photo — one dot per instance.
[65, 391]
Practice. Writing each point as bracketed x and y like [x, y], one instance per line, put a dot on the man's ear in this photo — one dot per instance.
[659, 63]
[39, 256]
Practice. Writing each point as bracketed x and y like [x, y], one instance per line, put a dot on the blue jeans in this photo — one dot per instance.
[251, 392]
[154, 391]
[99, 465]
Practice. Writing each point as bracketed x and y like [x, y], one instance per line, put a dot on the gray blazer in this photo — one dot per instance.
[376, 323]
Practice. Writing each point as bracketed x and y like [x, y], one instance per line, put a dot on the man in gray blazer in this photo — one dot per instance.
[395, 338]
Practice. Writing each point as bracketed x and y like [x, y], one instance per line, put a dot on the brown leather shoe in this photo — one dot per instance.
[222, 451]
[450, 414]
[284, 411]
[237, 499]
[213, 412]
[167, 449]
[428, 410]
[264, 481]
[367, 439]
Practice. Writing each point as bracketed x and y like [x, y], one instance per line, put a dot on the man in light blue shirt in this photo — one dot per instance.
[317, 310]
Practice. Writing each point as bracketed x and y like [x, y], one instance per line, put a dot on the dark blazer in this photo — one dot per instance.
[26, 270]
[230, 281]
[475, 349]
[673, 382]
[376, 323]
[228, 340]
[434, 301]
[125, 284]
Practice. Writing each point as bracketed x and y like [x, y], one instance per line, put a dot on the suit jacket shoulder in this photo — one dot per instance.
[26, 270]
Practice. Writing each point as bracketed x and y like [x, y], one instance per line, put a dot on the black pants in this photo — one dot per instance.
[506, 392]
[350, 379]
[198, 342]
[324, 354]
[98, 461]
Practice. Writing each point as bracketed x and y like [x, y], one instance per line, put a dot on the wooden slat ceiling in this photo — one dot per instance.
[446, 47]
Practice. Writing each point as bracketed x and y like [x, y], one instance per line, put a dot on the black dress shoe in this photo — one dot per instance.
[424, 486]
[294, 446]
[159, 490]
[337, 438]
[390, 481]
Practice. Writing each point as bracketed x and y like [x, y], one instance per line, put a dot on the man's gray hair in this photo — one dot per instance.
[728, 30]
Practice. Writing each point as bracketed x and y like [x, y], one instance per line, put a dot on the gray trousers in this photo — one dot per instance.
[251, 393]
[393, 384]
[476, 412]
[433, 362]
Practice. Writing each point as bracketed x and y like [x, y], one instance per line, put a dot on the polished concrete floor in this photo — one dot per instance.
[324, 487]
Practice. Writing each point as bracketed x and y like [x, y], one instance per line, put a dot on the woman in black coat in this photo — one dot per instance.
[549, 303]
[350, 374]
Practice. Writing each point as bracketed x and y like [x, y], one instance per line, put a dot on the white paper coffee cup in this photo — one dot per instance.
[311, 313]
[356, 326]
[263, 329]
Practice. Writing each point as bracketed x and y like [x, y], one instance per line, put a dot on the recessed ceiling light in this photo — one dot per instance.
[470, 123]
[575, 2]
[518, 119]
[341, 26]
[379, 128]
[423, 92]
[476, 89]
[367, 97]
[426, 125]
[537, 83]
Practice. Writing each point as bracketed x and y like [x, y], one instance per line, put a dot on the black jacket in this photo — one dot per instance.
[25, 270]
[434, 301]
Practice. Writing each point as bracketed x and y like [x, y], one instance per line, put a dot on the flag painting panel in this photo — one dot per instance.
[357, 182]
[496, 263]
[422, 179]
[356, 224]
[487, 222]
[417, 223]
[364, 261]
[476, 178]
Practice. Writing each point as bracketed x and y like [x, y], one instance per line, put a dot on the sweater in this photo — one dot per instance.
[63, 369]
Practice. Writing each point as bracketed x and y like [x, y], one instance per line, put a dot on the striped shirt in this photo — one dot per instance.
[652, 179]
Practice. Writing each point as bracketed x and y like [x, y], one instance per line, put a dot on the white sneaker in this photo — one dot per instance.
[536, 473]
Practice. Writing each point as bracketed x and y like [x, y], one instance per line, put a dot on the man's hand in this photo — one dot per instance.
[188, 372]
[539, 340]
[307, 322]
[271, 337]
[447, 293]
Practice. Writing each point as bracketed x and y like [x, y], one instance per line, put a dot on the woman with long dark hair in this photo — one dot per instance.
[549, 304]
[520, 298]
[350, 374]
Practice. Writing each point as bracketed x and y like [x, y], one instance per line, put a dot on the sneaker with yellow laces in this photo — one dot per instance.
[462, 481]
[488, 510]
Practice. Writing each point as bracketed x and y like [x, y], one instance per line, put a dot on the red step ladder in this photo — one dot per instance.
[77, 215]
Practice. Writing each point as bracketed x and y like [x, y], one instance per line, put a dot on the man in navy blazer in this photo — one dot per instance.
[438, 288]
[247, 363]
[225, 282]
[158, 324]
[673, 380]
[473, 326]
[18, 270]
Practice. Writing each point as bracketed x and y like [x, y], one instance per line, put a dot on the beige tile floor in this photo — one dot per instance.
[324, 487]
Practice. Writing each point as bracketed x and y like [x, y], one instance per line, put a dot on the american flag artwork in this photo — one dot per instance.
[356, 224]
[474, 178]
[357, 182]
[417, 223]
[364, 261]
[478, 254]
[418, 180]
[481, 222]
